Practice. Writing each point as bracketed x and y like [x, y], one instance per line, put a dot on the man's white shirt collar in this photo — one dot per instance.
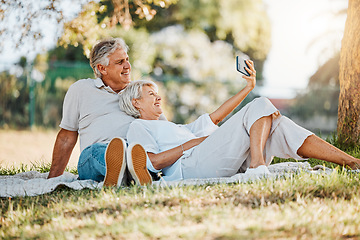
[100, 84]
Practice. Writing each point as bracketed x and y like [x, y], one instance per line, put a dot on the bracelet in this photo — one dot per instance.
[182, 148]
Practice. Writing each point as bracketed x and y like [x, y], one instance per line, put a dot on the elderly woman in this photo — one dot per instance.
[246, 142]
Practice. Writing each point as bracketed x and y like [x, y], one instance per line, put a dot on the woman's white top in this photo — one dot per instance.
[157, 136]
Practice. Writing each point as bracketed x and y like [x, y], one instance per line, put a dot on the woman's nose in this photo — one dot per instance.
[158, 97]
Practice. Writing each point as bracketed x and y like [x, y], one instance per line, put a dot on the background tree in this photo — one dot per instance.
[14, 98]
[321, 97]
[319, 101]
[242, 23]
[190, 53]
[23, 20]
[349, 100]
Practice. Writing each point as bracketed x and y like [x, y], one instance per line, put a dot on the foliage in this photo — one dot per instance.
[14, 96]
[327, 74]
[186, 65]
[321, 101]
[188, 54]
[321, 98]
[23, 21]
[123, 10]
[98, 18]
[244, 24]
[49, 94]
[195, 78]
[323, 206]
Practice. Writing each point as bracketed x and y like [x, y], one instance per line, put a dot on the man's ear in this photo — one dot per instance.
[102, 69]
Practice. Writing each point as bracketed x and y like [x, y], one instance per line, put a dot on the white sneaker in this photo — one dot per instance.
[115, 162]
[136, 162]
[257, 173]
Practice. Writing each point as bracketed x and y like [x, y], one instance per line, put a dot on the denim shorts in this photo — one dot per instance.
[91, 163]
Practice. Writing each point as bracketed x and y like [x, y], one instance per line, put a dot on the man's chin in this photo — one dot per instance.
[126, 78]
[125, 83]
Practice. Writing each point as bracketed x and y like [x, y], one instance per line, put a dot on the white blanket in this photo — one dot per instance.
[33, 183]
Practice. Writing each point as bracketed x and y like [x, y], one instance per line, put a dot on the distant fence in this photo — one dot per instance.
[29, 96]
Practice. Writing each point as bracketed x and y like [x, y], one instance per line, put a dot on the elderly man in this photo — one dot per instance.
[91, 111]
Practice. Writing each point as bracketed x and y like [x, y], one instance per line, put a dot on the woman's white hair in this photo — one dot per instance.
[133, 91]
[101, 51]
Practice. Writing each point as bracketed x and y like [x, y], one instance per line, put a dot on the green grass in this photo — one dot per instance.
[301, 206]
[36, 166]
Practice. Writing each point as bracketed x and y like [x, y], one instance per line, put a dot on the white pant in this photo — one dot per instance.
[227, 151]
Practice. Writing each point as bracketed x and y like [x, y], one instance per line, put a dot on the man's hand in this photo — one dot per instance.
[64, 144]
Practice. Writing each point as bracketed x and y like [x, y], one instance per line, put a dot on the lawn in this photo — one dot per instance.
[18, 148]
[301, 206]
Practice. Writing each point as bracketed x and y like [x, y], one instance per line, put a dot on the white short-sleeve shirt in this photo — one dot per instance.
[157, 136]
[92, 109]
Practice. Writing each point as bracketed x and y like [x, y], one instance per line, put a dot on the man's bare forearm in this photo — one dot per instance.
[64, 144]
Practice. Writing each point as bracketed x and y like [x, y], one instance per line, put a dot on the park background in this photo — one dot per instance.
[188, 48]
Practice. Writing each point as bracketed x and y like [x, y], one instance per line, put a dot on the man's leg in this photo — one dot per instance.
[101, 160]
[91, 163]
[115, 162]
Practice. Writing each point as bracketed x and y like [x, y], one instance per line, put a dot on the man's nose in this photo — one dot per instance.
[127, 64]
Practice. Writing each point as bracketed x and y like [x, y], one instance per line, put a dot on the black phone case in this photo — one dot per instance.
[241, 67]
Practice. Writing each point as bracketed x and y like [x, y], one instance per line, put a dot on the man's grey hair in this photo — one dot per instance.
[101, 51]
[133, 91]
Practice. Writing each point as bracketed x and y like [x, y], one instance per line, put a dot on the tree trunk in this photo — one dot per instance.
[348, 127]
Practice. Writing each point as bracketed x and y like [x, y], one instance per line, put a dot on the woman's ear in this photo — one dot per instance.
[135, 103]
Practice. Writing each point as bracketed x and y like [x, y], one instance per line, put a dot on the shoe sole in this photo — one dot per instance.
[115, 162]
[136, 161]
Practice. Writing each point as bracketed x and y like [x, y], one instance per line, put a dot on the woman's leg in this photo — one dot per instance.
[290, 140]
[315, 147]
[227, 151]
[259, 133]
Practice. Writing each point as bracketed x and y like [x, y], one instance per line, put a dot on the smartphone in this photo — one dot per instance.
[240, 66]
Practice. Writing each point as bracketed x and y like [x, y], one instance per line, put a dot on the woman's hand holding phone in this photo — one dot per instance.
[246, 67]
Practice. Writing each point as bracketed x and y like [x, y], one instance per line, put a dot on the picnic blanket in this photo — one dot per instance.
[33, 183]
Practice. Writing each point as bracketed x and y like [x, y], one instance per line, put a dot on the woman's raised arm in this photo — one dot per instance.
[227, 107]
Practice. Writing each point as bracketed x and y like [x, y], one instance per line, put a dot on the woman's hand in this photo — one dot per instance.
[227, 107]
[251, 80]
